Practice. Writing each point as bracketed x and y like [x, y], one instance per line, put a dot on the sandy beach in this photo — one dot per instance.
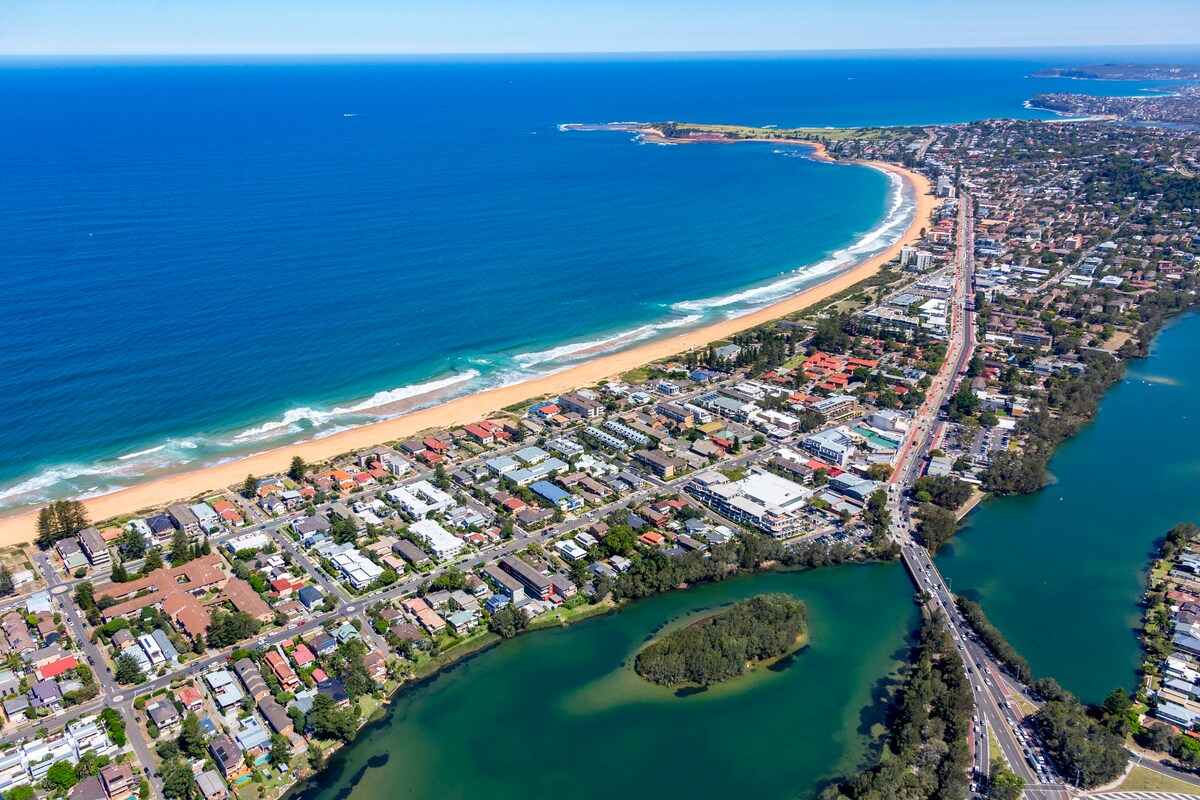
[18, 526]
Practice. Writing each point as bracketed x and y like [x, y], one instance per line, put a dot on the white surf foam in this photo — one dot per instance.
[600, 344]
[875, 240]
[297, 420]
[141, 453]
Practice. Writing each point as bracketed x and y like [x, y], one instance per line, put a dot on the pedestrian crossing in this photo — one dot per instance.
[1146, 795]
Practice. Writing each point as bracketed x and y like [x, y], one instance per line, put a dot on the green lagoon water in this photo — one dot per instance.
[561, 712]
[1062, 572]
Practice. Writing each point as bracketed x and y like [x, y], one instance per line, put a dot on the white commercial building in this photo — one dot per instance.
[764, 500]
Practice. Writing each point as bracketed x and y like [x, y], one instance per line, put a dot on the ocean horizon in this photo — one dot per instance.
[208, 261]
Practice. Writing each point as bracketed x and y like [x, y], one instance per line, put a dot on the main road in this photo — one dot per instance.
[997, 714]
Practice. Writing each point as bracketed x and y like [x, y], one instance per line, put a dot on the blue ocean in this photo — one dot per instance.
[207, 259]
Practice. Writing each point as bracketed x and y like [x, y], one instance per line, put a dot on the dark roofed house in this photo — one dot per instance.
[164, 715]
[228, 757]
[250, 676]
[160, 525]
[313, 524]
[410, 552]
[89, 789]
[406, 631]
[334, 688]
[118, 780]
[276, 716]
[323, 643]
[45, 694]
[310, 596]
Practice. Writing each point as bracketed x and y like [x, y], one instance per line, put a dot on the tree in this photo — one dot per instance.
[452, 580]
[440, 479]
[127, 671]
[1117, 703]
[810, 420]
[6, 580]
[297, 469]
[879, 472]
[181, 549]
[935, 527]
[281, 750]
[62, 775]
[154, 560]
[249, 486]
[89, 765]
[343, 531]
[229, 628]
[508, 621]
[132, 544]
[943, 490]
[119, 573]
[1004, 784]
[115, 725]
[177, 778]
[191, 737]
[327, 721]
[1082, 748]
[964, 403]
[60, 519]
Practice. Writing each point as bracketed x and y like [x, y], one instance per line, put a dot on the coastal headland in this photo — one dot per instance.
[18, 526]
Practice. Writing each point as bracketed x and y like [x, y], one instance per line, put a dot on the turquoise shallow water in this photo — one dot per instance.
[205, 260]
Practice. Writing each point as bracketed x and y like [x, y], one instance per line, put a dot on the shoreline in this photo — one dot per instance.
[17, 526]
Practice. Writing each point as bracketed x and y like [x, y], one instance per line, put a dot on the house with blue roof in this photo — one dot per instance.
[553, 494]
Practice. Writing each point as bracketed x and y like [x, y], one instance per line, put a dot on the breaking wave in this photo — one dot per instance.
[485, 372]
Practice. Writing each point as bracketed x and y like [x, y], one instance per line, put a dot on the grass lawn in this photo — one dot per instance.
[994, 752]
[1026, 707]
[833, 134]
[567, 616]
[638, 375]
[1141, 779]
[1118, 338]
[466, 647]
[369, 704]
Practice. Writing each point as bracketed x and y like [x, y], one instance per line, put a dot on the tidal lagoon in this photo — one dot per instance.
[1061, 573]
[562, 711]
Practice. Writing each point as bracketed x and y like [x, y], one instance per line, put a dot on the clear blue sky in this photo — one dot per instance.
[577, 26]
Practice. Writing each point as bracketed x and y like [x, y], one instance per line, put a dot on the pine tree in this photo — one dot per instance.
[181, 549]
[298, 468]
[60, 519]
[119, 573]
[153, 560]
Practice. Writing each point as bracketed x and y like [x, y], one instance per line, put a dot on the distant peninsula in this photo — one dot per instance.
[1123, 72]
[723, 646]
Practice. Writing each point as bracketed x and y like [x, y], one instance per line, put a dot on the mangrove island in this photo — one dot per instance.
[721, 646]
